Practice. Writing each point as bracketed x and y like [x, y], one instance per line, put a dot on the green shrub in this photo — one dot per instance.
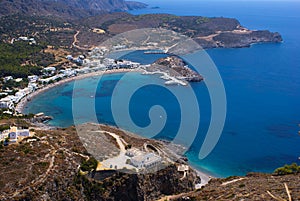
[288, 169]
[4, 127]
[89, 165]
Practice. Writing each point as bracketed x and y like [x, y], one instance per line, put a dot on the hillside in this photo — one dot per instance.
[55, 37]
[103, 5]
[214, 32]
[69, 9]
[46, 167]
[254, 186]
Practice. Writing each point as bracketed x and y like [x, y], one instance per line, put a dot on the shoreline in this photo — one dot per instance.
[24, 101]
[204, 175]
[164, 75]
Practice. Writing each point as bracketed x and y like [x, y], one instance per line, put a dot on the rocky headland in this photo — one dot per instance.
[178, 68]
[208, 32]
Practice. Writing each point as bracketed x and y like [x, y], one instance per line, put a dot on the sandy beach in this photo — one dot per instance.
[21, 105]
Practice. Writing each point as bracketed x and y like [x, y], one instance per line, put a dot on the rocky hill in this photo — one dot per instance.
[254, 186]
[65, 8]
[215, 32]
[46, 167]
[102, 5]
[178, 68]
[133, 187]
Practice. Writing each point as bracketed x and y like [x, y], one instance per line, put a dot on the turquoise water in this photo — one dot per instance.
[262, 86]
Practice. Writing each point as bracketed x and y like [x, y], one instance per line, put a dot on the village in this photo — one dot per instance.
[11, 95]
[97, 60]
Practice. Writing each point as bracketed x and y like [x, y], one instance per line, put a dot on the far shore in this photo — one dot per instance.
[21, 105]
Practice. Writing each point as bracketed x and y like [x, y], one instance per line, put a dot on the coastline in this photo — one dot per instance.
[204, 175]
[23, 102]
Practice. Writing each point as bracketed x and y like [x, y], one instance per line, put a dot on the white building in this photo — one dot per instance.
[32, 86]
[49, 70]
[68, 72]
[24, 38]
[22, 93]
[19, 80]
[108, 61]
[30, 40]
[69, 57]
[84, 70]
[147, 160]
[119, 47]
[33, 78]
[53, 78]
[7, 78]
[133, 152]
[14, 133]
[6, 103]
[141, 160]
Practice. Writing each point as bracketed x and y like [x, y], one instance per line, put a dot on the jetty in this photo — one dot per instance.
[156, 52]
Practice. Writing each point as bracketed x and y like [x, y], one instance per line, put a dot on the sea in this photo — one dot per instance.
[262, 85]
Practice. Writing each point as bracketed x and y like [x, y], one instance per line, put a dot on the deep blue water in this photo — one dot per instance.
[262, 85]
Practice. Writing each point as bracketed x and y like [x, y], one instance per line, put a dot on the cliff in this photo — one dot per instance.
[132, 187]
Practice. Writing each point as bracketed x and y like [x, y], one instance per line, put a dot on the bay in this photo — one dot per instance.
[262, 85]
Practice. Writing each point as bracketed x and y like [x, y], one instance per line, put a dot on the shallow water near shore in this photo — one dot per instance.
[262, 85]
